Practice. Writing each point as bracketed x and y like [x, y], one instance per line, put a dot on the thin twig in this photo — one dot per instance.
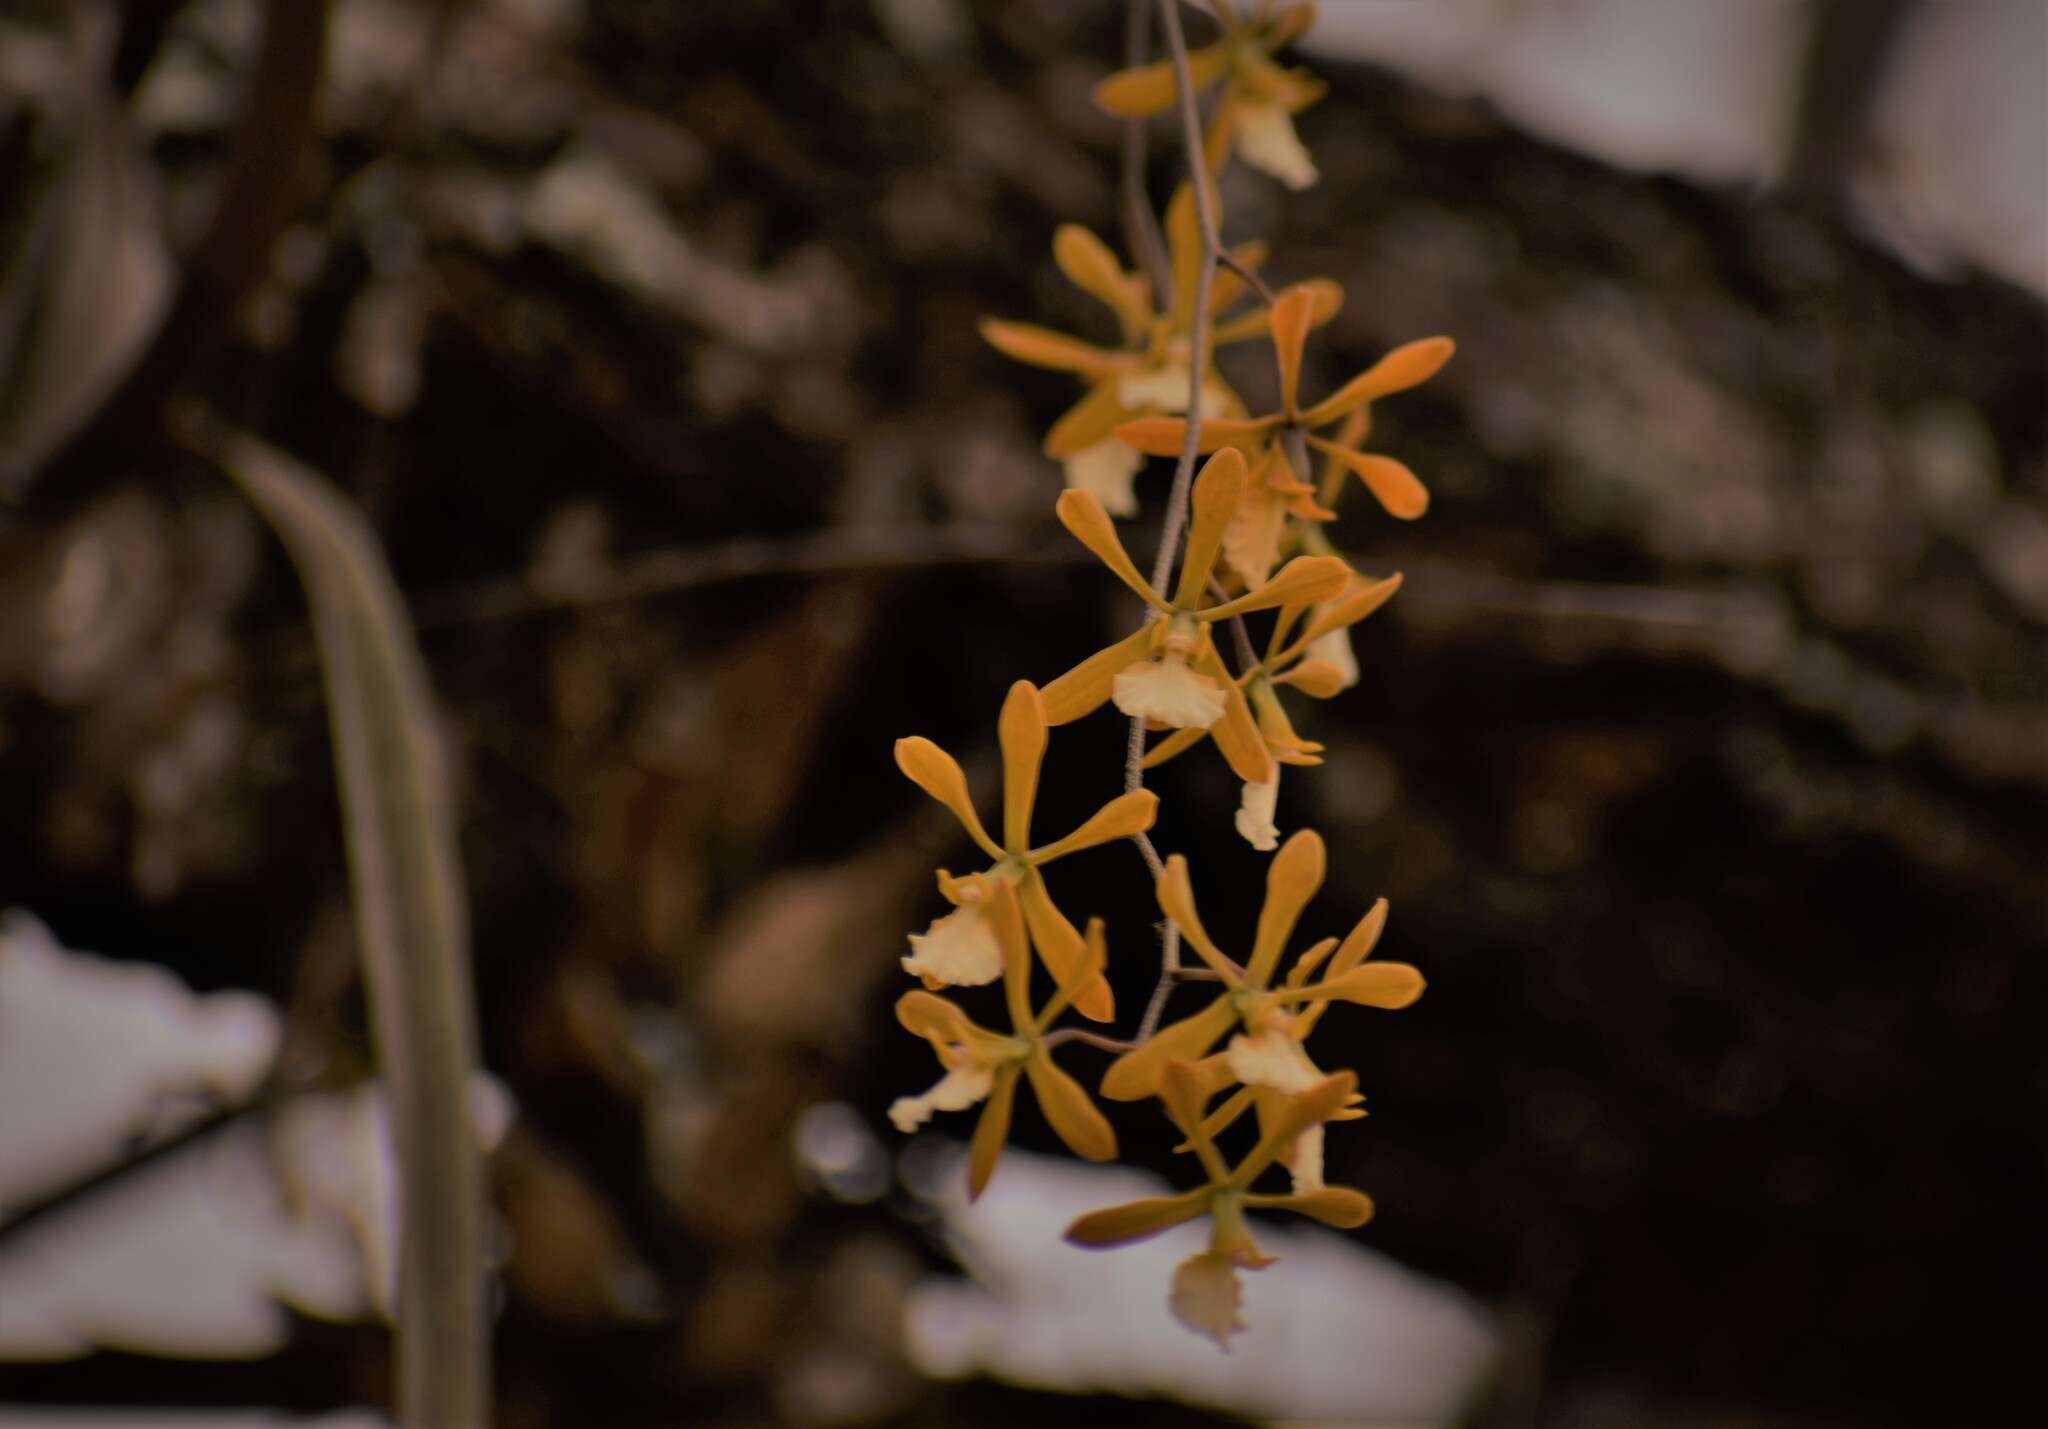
[1267, 297]
[1083, 1035]
[1198, 328]
[667, 570]
[1199, 343]
[1141, 225]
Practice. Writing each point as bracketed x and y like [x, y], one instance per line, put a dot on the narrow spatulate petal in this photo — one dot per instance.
[1236, 733]
[1125, 816]
[1091, 267]
[1063, 950]
[1153, 88]
[1292, 878]
[1338, 1206]
[1217, 490]
[1136, 1073]
[1090, 421]
[1087, 687]
[1164, 436]
[991, 1131]
[1409, 365]
[1042, 347]
[1089, 524]
[1305, 578]
[1292, 317]
[1021, 731]
[1070, 1111]
[935, 771]
[1138, 1220]
[1397, 489]
[1176, 895]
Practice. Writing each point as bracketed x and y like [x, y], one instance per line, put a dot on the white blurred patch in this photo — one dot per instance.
[1954, 169]
[197, 1254]
[96, 1053]
[1957, 164]
[1336, 1331]
[1705, 90]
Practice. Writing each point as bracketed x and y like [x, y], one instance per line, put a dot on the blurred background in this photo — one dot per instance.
[1703, 757]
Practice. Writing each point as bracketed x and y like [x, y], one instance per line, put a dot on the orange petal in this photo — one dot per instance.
[1389, 985]
[1177, 901]
[1361, 600]
[1139, 1220]
[1318, 679]
[1008, 920]
[1084, 517]
[1310, 1108]
[1292, 878]
[1091, 267]
[1395, 487]
[1152, 88]
[1361, 940]
[1021, 731]
[1085, 977]
[1137, 1073]
[1179, 742]
[1218, 488]
[1062, 949]
[1303, 579]
[1291, 319]
[1042, 347]
[1164, 436]
[1251, 543]
[1338, 1206]
[1237, 733]
[1087, 687]
[991, 1131]
[1092, 419]
[1409, 365]
[1070, 1112]
[1183, 226]
[934, 771]
[1126, 816]
[933, 1018]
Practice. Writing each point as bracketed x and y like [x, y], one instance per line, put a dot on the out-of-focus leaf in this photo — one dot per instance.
[410, 915]
[85, 277]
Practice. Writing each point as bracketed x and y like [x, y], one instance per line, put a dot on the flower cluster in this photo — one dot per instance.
[1255, 546]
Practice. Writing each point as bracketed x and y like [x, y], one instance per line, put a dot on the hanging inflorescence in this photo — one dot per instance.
[1253, 518]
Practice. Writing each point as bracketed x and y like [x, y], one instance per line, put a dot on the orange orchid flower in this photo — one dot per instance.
[964, 947]
[985, 1066]
[1148, 372]
[1249, 1003]
[1205, 1294]
[1255, 114]
[1409, 365]
[1289, 663]
[1168, 671]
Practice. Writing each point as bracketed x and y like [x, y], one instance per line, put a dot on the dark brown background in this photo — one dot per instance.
[1703, 758]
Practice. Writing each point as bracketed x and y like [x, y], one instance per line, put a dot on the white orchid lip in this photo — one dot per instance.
[1266, 140]
[959, 1089]
[959, 949]
[1105, 471]
[1255, 813]
[1272, 1059]
[1167, 692]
